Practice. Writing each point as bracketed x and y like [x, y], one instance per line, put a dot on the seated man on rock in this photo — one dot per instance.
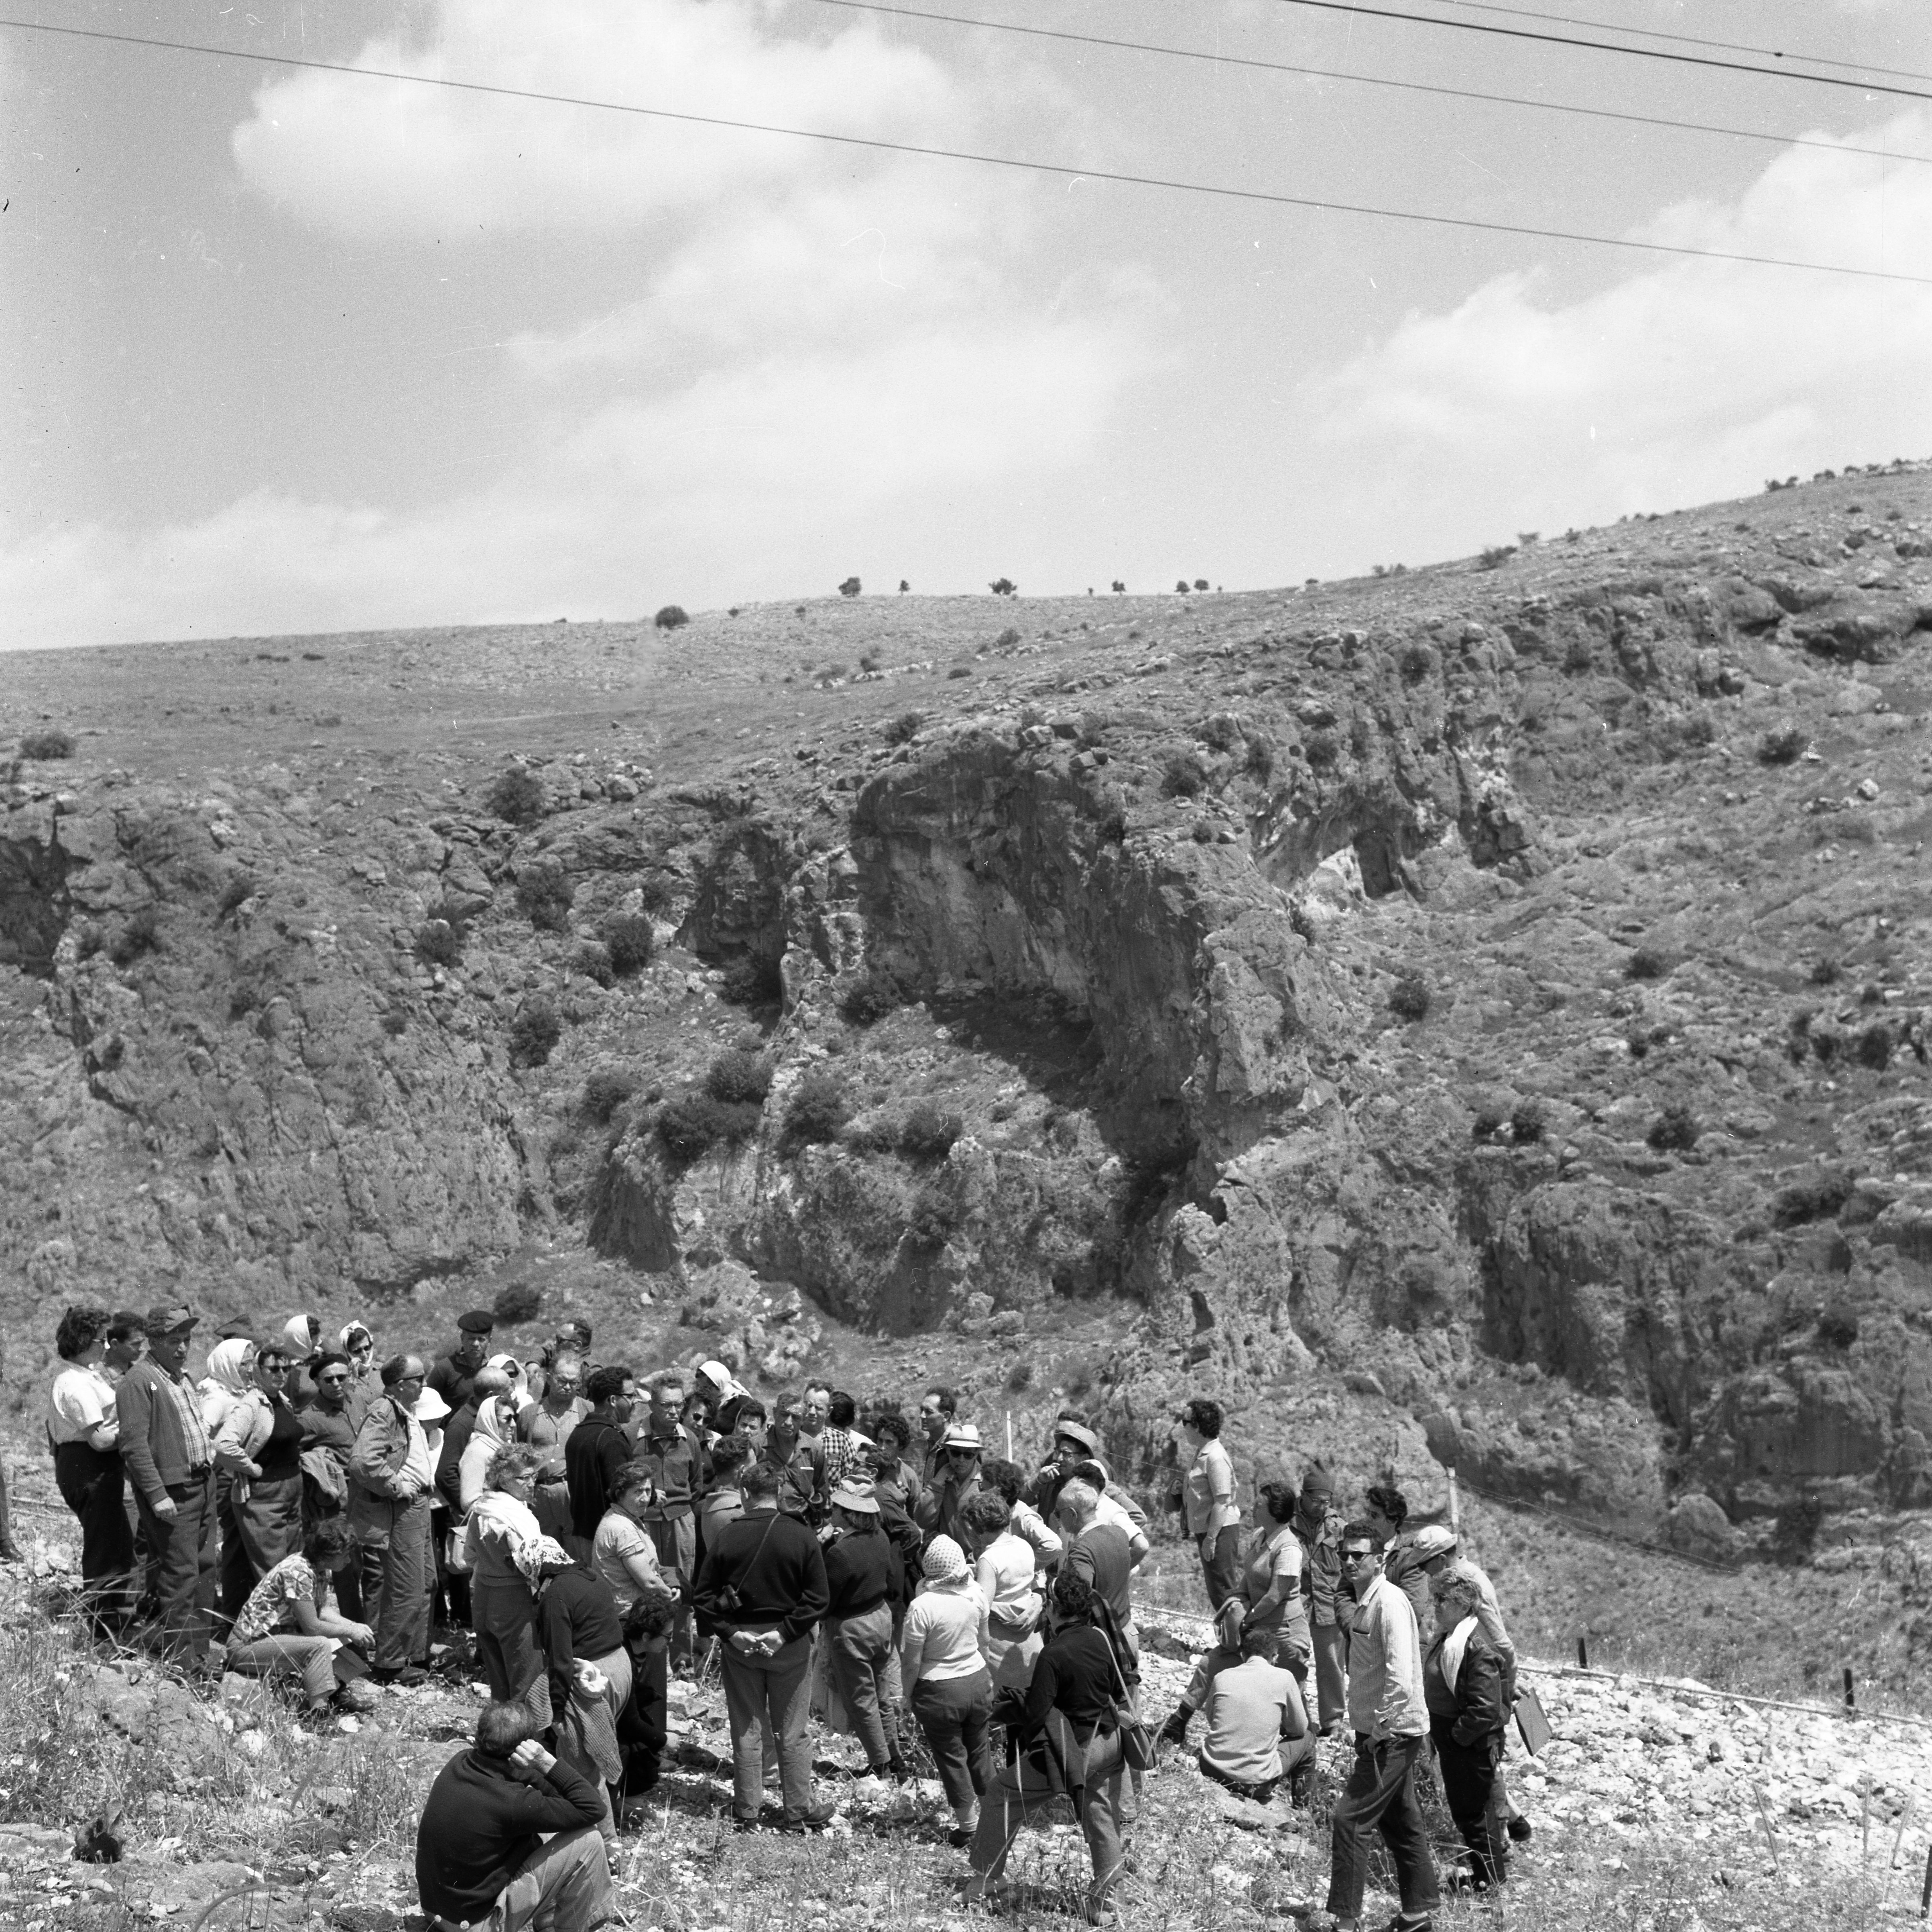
[481, 1859]
[1258, 1729]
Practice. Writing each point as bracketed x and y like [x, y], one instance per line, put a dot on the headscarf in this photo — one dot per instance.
[300, 1342]
[499, 1517]
[944, 1563]
[496, 1428]
[225, 1365]
[355, 1330]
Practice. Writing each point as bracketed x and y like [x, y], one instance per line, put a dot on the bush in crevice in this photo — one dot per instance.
[629, 940]
[1321, 750]
[1824, 972]
[1487, 1124]
[1259, 760]
[1410, 998]
[928, 1132]
[903, 728]
[139, 933]
[516, 797]
[933, 1219]
[534, 1032]
[755, 980]
[1815, 1199]
[1838, 1327]
[1221, 732]
[738, 1078]
[868, 998]
[1674, 1130]
[1528, 1122]
[52, 743]
[239, 889]
[544, 892]
[816, 1113]
[1646, 962]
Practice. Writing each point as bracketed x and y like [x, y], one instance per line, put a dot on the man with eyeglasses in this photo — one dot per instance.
[936, 1411]
[328, 1424]
[1390, 1718]
[390, 1473]
[937, 1510]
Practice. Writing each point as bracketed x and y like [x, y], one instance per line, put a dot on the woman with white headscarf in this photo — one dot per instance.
[259, 1448]
[507, 1551]
[229, 1379]
[303, 1334]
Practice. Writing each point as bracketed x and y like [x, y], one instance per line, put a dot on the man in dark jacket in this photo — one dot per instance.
[480, 1859]
[454, 1374]
[761, 1589]
[599, 1447]
[170, 1465]
[390, 1475]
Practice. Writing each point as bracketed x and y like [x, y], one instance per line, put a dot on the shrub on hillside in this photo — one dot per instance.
[1007, 639]
[534, 1032]
[933, 1219]
[1182, 776]
[1416, 662]
[1674, 1130]
[544, 892]
[869, 998]
[1496, 556]
[1875, 1047]
[606, 1090]
[1488, 1122]
[928, 1132]
[1817, 1198]
[903, 728]
[1410, 998]
[1003, 587]
[1322, 749]
[437, 943]
[517, 1303]
[1838, 1327]
[53, 743]
[243, 887]
[629, 940]
[1646, 962]
[1824, 972]
[816, 1112]
[850, 587]
[1785, 746]
[689, 1125]
[516, 797]
[592, 958]
[1528, 1122]
[139, 933]
[672, 616]
[1221, 732]
[737, 1078]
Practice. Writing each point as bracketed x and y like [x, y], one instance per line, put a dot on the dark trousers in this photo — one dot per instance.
[358, 1584]
[402, 1605]
[956, 1713]
[1468, 1783]
[1221, 1564]
[1380, 1795]
[180, 1564]
[93, 1486]
[640, 1724]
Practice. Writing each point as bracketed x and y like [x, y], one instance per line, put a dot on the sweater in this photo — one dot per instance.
[1102, 1555]
[597, 1450]
[160, 1446]
[479, 1823]
[576, 1617]
[858, 1573]
[1251, 1705]
[1075, 1676]
[945, 1634]
[1385, 1666]
[774, 1564]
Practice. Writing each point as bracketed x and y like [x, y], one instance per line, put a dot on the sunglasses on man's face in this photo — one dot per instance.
[327, 1381]
[273, 1368]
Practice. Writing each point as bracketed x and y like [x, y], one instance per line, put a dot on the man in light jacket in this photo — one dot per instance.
[1390, 1718]
[170, 1464]
[390, 1475]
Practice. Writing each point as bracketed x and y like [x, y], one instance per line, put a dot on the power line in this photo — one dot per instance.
[1368, 80]
[1609, 47]
[1062, 170]
[1686, 39]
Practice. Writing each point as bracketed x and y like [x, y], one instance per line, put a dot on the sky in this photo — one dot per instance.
[294, 350]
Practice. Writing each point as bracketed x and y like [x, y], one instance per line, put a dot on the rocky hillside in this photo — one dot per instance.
[1476, 1015]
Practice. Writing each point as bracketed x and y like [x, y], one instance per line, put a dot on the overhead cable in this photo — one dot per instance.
[1368, 80]
[1066, 171]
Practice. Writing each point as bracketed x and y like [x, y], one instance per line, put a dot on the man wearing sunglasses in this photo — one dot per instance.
[329, 1426]
[1390, 1721]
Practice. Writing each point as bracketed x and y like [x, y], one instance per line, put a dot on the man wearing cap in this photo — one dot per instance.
[454, 1374]
[859, 1559]
[1390, 1717]
[390, 1475]
[956, 1478]
[170, 1464]
[1318, 1523]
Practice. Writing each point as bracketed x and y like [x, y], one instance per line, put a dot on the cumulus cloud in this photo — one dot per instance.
[374, 157]
[1678, 383]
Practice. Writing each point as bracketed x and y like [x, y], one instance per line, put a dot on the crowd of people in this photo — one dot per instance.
[301, 1512]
